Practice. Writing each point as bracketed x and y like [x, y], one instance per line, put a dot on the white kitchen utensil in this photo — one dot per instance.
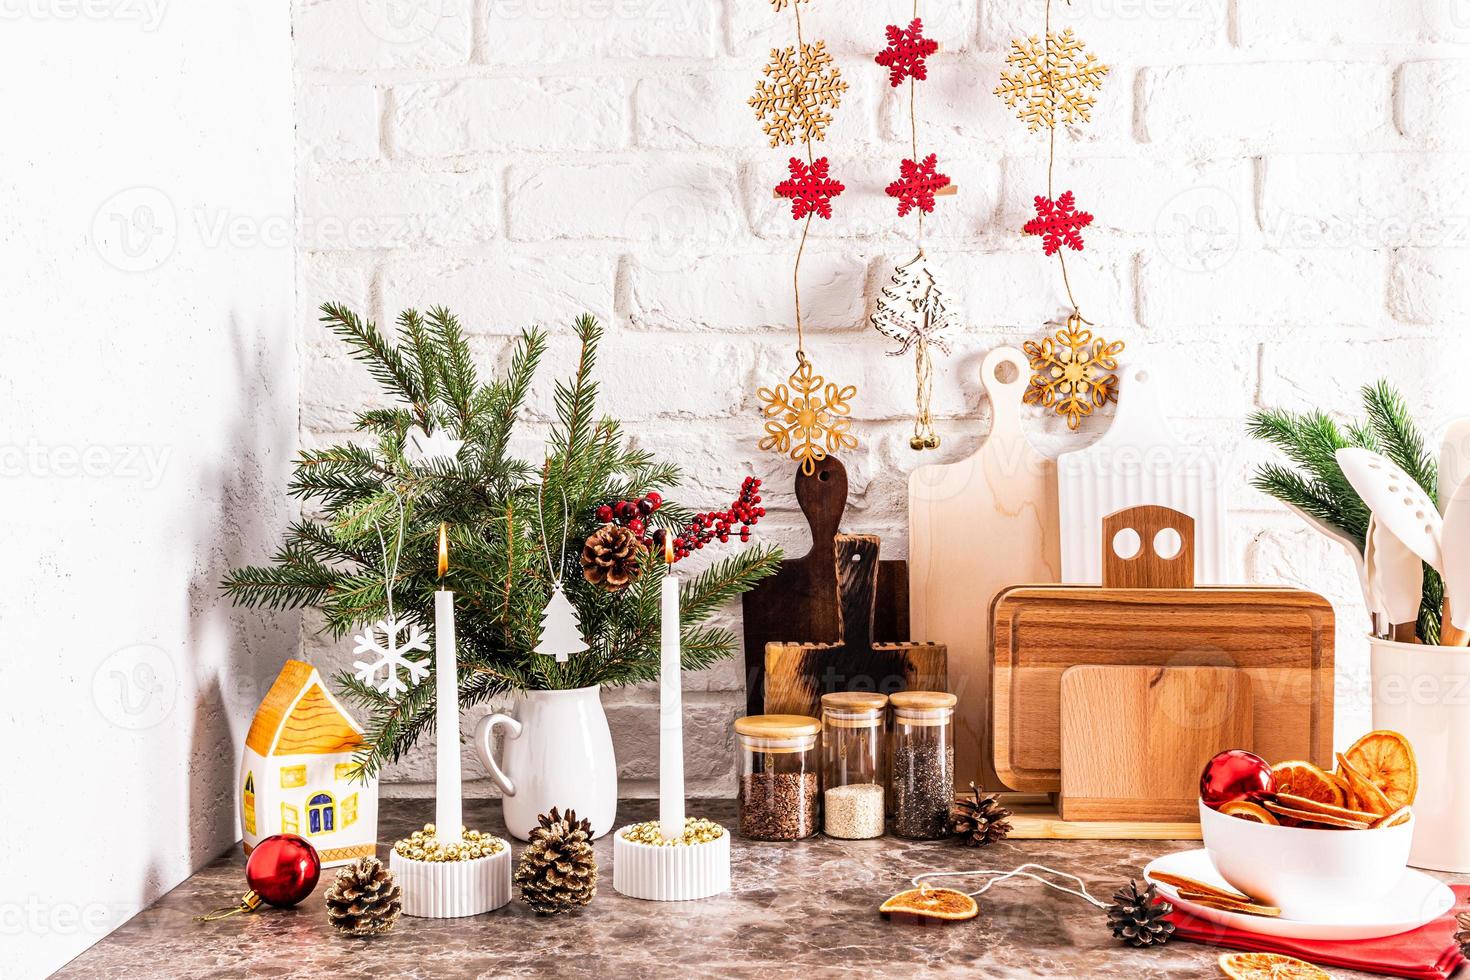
[1140, 461]
[1359, 557]
[1454, 460]
[1455, 548]
[1376, 612]
[1396, 501]
[1400, 581]
[1417, 899]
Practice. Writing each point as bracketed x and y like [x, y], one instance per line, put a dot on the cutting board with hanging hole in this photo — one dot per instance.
[1148, 613]
[800, 600]
[1140, 460]
[976, 526]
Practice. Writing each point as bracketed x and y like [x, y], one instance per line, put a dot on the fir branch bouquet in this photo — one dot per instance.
[1319, 488]
[508, 521]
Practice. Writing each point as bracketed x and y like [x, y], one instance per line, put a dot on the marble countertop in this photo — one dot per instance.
[807, 908]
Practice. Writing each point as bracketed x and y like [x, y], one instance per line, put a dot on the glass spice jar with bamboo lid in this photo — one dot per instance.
[778, 776]
[922, 762]
[852, 764]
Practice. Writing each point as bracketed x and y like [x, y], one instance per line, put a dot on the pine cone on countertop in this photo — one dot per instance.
[1137, 919]
[1462, 935]
[364, 900]
[612, 557]
[979, 821]
[557, 871]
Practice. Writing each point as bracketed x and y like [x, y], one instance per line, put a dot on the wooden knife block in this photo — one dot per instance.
[1135, 739]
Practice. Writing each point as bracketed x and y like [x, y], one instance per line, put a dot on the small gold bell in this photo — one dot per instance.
[932, 442]
[916, 443]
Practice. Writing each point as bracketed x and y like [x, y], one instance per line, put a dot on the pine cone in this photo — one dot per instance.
[979, 821]
[1137, 919]
[557, 871]
[1462, 935]
[364, 900]
[612, 557]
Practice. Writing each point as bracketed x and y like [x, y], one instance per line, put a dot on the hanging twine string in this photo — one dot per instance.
[922, 881]
[551, 568]
[805, 228]
[390, 565]
[924, 391]
[1051, 160]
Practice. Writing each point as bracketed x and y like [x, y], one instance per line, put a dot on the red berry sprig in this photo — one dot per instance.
[718, 525]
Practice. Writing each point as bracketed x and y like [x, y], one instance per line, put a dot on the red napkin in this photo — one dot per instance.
[1426, 953]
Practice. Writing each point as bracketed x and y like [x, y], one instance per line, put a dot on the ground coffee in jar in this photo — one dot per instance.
[778, 776]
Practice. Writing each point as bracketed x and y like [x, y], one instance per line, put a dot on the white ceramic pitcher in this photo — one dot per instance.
[558, 752]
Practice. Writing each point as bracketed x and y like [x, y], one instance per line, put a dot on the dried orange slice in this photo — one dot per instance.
[1367, 795]
[1393, 819]
[1183, 884]
[1387, 760]
[1312, 806]
[930, 904]
[1318, 819]
[1246, 810]
[1304, 779]
[1349, 798]
[1269, 966]
[1239, 908]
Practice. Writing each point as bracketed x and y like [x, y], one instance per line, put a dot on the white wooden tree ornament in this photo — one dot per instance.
[914, 312]
[420, 448]
[561, 628]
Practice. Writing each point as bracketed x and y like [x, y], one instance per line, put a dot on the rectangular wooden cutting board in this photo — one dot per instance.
[1281, 638]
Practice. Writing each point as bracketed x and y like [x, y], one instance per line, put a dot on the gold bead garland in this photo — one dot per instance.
[424, 845]
[697, 830]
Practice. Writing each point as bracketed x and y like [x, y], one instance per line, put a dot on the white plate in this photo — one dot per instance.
[1416, 900]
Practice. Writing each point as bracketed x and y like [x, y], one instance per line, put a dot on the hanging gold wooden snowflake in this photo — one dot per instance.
[1073, 371]
[806, 418]
[793, 100]
[1050, 80]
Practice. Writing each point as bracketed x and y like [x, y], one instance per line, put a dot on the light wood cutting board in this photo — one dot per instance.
[1281, 638]
[976, 526]
[1135, 739]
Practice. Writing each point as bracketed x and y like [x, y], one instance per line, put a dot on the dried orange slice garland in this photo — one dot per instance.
[930, 905]
[1269, 966]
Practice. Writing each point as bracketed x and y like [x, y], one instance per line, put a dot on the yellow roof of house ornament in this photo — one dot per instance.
[299, 717]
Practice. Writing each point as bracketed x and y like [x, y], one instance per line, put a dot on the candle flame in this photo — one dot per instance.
[668, 548]
[443, 550]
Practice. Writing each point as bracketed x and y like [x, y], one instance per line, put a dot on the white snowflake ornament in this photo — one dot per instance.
[420, 448]
[382, 641]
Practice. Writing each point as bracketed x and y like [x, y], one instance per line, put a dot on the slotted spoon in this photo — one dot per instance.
[1401, 507]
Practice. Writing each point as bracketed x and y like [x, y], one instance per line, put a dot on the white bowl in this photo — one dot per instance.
[1304, 872]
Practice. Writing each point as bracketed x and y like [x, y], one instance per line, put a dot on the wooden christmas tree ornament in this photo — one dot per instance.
[801, 599]
[798, 674]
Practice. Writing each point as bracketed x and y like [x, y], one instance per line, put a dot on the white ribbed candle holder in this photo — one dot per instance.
[672, 873]
[453, 889]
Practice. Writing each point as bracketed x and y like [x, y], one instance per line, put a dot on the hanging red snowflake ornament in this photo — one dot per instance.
[906, 51]
[1058, 223]
[917, 185]
[809, 188]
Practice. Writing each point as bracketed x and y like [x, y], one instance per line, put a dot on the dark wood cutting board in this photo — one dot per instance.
[799, 603]
[798, 674]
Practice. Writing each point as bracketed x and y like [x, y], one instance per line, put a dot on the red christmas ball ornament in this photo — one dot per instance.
[1235, 774]
[282, 871]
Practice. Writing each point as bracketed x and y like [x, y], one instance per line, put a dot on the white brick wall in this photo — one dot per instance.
[1281, 216]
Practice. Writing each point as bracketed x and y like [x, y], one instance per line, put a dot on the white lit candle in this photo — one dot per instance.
[449, 790]
[670, 707]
